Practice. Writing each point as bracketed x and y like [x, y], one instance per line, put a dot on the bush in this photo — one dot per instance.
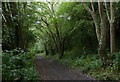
[18, 66]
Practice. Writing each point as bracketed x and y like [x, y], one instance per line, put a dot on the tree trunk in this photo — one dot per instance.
[20, 34]
[62, 49]
[112, 28]
[46, 50]
[111, 19]
[20, 25]
[102, 43]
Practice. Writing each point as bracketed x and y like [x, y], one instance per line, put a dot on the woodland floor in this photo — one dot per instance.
[49, 69]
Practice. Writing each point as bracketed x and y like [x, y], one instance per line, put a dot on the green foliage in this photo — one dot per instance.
[80, 39]
[18, 67]
[19, 20]
[55, 28]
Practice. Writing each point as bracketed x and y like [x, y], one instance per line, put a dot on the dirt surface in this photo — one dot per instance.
[50, 69]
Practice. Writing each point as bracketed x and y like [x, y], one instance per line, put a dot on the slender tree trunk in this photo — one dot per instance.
[62, 49]
[102, 43]
[0, 32]
[14, 14]
[112, 27]
[111, 19]
[20, 25]
[20, 34]
[46, 50]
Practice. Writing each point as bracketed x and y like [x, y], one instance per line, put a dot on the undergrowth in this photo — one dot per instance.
[18, 65]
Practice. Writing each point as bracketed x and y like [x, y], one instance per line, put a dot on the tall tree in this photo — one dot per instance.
[100, 27]
[15, 25]
[111, 19]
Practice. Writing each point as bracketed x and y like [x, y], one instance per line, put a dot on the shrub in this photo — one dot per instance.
[19, 66]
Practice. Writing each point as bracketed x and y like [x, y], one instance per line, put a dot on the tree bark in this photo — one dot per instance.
[102, 43]
[62, 49]
[111, 19]
[112, 27]
[14, 14]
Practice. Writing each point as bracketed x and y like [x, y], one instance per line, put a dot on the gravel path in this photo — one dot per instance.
[50, 69]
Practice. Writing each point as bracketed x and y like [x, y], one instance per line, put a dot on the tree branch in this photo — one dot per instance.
[106, 8]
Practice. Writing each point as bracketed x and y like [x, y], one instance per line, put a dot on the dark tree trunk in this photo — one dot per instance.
[14, 14]
[46, 50]
[112, 28]
[102, 42]
[62, 49]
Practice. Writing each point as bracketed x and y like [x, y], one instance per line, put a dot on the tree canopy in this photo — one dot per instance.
[75, 29]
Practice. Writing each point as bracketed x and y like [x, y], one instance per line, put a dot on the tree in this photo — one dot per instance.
[100, 31]
[16, 33]
[53, 28]
[111, 19]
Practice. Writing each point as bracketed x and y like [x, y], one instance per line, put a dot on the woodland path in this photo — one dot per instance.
[49, 69]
